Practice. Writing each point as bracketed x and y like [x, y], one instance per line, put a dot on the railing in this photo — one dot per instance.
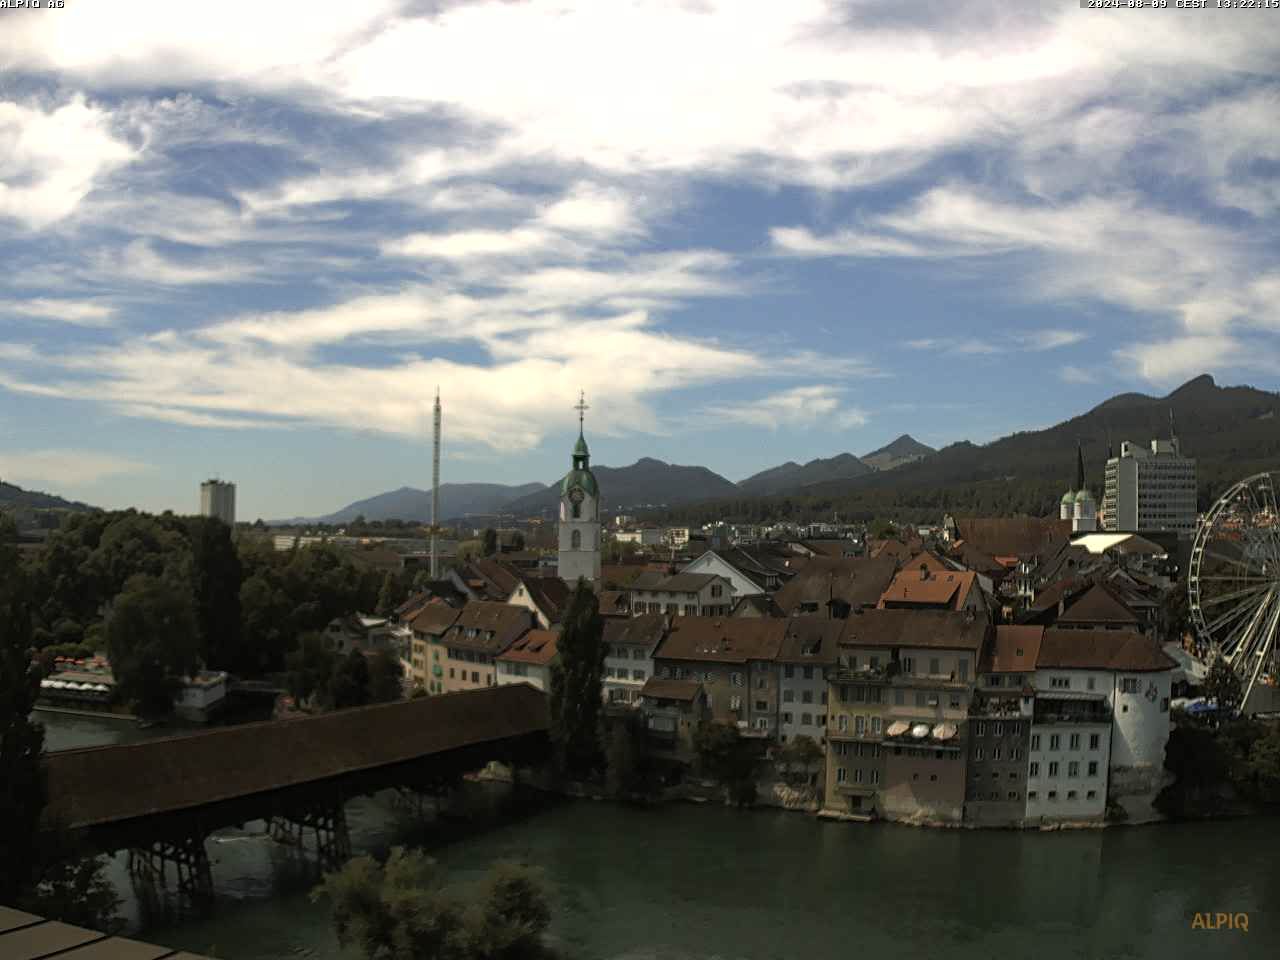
[866, 674]
[1094, 716]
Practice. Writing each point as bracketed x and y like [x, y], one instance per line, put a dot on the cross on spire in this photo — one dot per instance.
[582, 407]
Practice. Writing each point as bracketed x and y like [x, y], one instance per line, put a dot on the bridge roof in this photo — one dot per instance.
[100, 785]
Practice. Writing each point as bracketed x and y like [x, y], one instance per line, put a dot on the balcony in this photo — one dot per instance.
[863, 673]
[1065, 707]
[985, 705]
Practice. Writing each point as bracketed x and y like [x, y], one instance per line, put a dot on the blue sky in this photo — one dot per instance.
[251, 239]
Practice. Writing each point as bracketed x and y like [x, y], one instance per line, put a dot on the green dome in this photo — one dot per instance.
[1083, 495]
[1068, 497]
[580, 448]
[579, 478]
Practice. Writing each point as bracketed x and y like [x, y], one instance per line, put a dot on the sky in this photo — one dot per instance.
[252, 239]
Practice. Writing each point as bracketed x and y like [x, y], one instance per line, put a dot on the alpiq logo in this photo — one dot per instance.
[1221, 921]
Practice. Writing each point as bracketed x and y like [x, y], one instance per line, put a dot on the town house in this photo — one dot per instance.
[428, 629]
[628, 663]
[529, 660]
[1000, 719]
[808, 650]
[682, 594]
[482, 631]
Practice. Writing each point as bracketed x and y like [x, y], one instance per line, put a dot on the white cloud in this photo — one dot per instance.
[466, 244]
[49, 160]
[141, 262]
[79, 312]
[1050, 339]
[818, 405]
[1179, 358]
[61, 469]
[1073, 374]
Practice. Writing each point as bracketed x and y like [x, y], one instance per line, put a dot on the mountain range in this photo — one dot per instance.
[12, 496]
[457, 500]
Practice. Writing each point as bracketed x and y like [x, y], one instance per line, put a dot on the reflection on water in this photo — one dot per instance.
[698, 882]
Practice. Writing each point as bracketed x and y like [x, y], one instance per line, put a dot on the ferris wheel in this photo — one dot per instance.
[1233, 583]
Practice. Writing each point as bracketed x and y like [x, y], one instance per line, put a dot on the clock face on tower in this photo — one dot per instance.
[576, 494]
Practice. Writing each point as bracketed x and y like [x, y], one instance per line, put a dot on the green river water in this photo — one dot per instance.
[709, 883]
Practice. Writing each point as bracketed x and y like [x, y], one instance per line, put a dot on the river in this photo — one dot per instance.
[708, 883]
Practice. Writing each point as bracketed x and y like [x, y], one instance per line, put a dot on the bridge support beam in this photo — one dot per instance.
[149, 870]
[327, 820]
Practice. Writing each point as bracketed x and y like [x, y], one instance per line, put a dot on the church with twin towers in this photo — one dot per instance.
[579, 554]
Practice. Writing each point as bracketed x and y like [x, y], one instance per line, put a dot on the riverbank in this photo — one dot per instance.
[82, 712]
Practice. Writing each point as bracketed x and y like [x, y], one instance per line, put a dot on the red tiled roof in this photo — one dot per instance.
[1012, 536]
[813, 634]
[1013, 650]
[506, 622]
[943, 629]
[1099, 605]
[683, 690]
[1122, 651]
[647, 630]
[435, 618]
[911, 587]
[856, 581]
[536, 647]
[722, 639]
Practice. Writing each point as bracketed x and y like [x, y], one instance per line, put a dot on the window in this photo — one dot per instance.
[1015, 753]
[716, 589]
[841, 774]
[933, 776]
[1053, 794]
[788, 696]
[1091, 795]
[1094, 741]
[859, 694]
[1032, 795]
[935, 666]
[1035, 769]
[1093, 768]
[899, 697]
[977, 754]
[1055, 741]
[997, 729]
[1015, 728]
[1129, 685]
[806, 696]
[921, 698]
[762, 723]
[1060, 683]
[955, 701]
[806, 719]
[451, 673]
[762, 683]
[842, 749]
[859, 726]
[808, 673]
[824, 698]
[788, 671]
[857, 775]
[962, 670]
[908, 664]
[575, 539]
[1164, 704]
[735, 679]
[875, 776]
[1073, 768]
[637, 674]
[874, 662]
[842, 723]
[873, 694]
[1053, 768]
[1074, 741]
[995, 753]
[993, 680]
[475, 676]
[1089, 683]
[1071, 794]
[735, 703]
[762, 705]
[1013, 794]
[980, 729]
[875, 726]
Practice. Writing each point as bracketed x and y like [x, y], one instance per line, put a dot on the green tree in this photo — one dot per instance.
[349, 682]
[309, 667]
[797, 758]
[152, 643]
[1222, 686]
[576, 684]
[517, 541]
[628, 765]
[1264, 764]
[489, 542]
[387, 596]
[728, 759]
[216, 580]
[386, 677]
[405, 909]
[22, 787]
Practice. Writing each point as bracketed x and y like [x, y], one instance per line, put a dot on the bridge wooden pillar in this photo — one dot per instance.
[192, 886]
[326, 818]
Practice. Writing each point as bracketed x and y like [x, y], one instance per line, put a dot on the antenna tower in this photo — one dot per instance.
[435, 486]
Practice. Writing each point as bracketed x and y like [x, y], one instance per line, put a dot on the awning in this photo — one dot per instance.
[897, 728]
[920, 731]
[944, 731]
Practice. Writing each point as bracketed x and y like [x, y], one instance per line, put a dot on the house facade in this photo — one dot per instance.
[529, 660]
[629, 647]
[469, 648]
[681, 594]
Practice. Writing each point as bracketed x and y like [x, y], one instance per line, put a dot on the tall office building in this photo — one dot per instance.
[1150, 489]
[218, 499]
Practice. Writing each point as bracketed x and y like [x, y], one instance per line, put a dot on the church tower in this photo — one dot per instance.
[579, 514]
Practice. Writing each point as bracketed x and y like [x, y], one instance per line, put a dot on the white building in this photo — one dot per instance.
[579, 554]
[644, 537]
[681, 594]
[628, 661]
[529, 660]
[1151, 489]
[218, 499]
[808, 649]
[1102, 723]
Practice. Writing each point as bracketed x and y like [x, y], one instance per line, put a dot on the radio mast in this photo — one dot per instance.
[435, 486]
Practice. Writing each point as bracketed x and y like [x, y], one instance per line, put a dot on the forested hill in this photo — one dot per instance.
[1230, 431]
[15, 496]
[647, 481]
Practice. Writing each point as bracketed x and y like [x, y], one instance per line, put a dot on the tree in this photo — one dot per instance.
[797, 758]
[627, 758]
[386, 596]
[152, 643]
[309, 667]
[405, 909]
[576, 684]
[1222, 686]
[216, 579]
[1264, 764]
[489, 542]
[386, 677]
[517, 541]
[728, 759]
[349, 682]
[22, 787]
